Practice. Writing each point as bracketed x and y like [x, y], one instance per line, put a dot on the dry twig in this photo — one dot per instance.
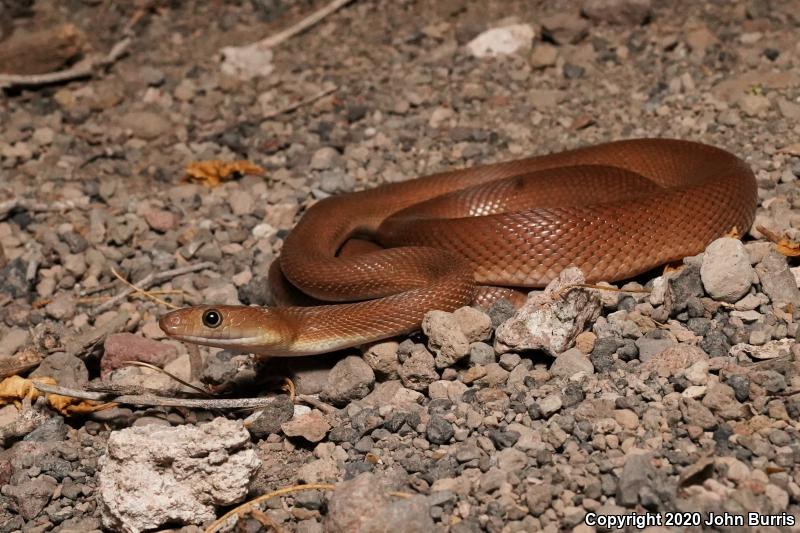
[297, 105]
[276, 39]
[82, 69]
[150, 280]
[161, 401]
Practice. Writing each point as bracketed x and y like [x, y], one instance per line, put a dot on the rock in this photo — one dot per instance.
[382, 358]
[31, 497]
[696, 414]
[247, 62]
[585, 342]
[626, 418]
[637, 475]
[66, 369]
[511, 460]
[770, 350]
[538, 498]
[451, 390]
[672, 360]
[12, 341]
[439, 430]
[789, 110]
[362, 505]
[754, 104]
[545, 100]
[311, 426]
[310, 374]
[153, 475]
[121, 347]
[740, 385]
[622, 12]
[549, 405]
[777, 281]
[160, 220]
[272, 416]
[13, 279]
[571, 363]
[419, 369]
[502, 41]
[682, 285]
[350, 379]
[544, 55]
[602, 353]
[725, 271]
[651, 347]
[550, 320]
[241, 202]
[325, 158]
[700, 39]
[565, 27]
[473, 323]
[481, 353]
[721, 399]
[392, 394]
[440, 116]
[445, 338]
[145, 125]
[323, 470]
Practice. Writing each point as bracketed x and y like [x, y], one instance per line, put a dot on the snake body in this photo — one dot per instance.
[614, 210]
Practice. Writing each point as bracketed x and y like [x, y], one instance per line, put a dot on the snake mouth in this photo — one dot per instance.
[220, 342]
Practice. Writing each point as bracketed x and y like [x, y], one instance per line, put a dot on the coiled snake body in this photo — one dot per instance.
[614, 210]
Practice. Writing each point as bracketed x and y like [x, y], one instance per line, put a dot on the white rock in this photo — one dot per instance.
[502, 41]
[726, 271]
[247, 62]
[550, 320]
[154, 475]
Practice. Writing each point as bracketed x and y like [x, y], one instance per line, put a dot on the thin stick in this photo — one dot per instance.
[161, 401]
[247, 506]
[315, 402]
[170, 374]
[82, 69]
[274, 40]
[137, 290]
[150, 280]
[297, 105]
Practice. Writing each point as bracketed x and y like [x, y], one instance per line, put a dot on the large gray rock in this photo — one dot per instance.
[726, 272]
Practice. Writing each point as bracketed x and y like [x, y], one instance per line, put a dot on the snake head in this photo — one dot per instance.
[259, 330]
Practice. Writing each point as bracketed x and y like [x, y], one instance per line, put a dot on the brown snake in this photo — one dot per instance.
[614, 210]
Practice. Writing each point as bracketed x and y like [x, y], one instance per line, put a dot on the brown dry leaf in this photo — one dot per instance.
[785, 246]
[733, 233]
[213, 172]
[15, 389]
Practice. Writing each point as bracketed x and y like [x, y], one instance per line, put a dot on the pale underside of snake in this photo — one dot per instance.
[613, 210]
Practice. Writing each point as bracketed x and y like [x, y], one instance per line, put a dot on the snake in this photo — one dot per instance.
[368, 265]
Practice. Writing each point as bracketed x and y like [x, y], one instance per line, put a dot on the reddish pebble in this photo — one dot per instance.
[122, 347]
[161, 221]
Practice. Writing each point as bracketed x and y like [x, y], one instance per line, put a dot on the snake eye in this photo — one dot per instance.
[212, 318]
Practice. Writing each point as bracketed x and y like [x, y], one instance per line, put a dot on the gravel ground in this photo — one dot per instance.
[672, 401]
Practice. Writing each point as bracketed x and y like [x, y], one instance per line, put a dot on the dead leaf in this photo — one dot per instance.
[213, 172]
[784, 246]
[15, 389]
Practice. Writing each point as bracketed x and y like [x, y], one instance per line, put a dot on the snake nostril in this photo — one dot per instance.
[169, 322]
